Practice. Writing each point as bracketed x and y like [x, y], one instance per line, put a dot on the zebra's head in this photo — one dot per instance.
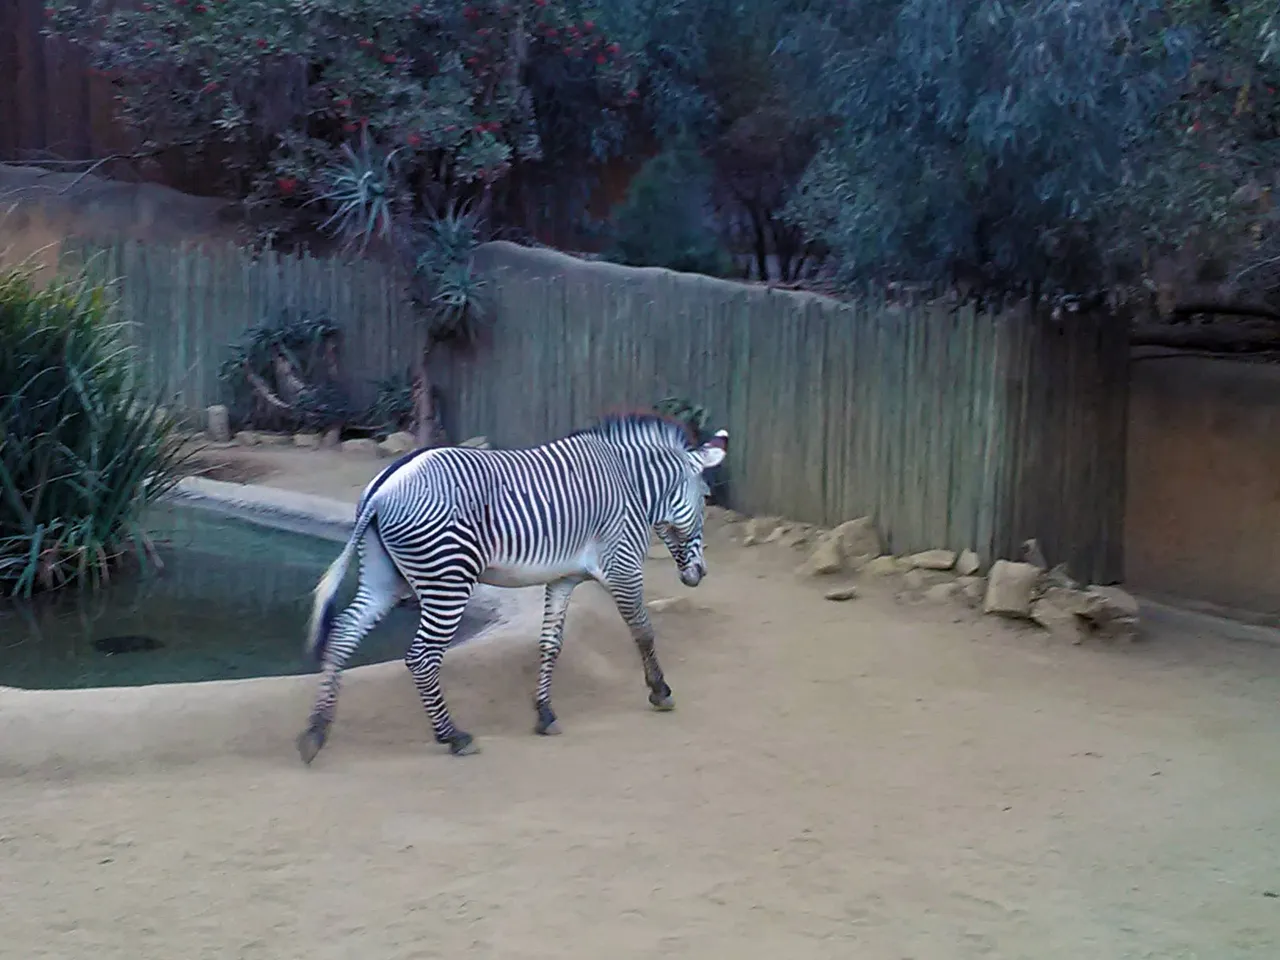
[679, 518]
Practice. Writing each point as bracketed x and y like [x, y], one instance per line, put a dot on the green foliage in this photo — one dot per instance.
[453, 293]
[283, 374]
[392, 407]
[678, 408]
[278, 92]
[83, 447]
[981, 141]
[665, 219]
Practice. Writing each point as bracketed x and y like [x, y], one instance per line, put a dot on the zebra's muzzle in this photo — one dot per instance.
[692, 575]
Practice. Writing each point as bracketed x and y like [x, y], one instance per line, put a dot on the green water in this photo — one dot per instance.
[232, 601]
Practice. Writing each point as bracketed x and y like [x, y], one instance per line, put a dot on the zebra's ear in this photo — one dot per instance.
[712, 453]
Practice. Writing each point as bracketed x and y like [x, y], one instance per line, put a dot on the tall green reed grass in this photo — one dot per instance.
[85, 446]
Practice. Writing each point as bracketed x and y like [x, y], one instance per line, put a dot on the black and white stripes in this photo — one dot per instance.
[437, 522]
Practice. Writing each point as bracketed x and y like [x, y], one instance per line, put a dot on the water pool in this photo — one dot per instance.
[232, 601]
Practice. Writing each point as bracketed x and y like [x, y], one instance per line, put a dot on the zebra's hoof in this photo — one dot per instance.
[309, 743]
[546, 725]
[463, 745]
[663, 703]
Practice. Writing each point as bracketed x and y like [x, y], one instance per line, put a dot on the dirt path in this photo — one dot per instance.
[864, 780]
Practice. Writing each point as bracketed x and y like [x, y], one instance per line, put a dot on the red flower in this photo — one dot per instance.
[613, 48]
[349, 127]
[632, 94]
[472, 61]
[413, 139]
[210, 87]
[344, 102]
[261, 43]
[601, 58]
[588, 25]
[149, 45]
[201, 8]
[389, 58]
[286, 184]
[469, 13]
[366, 43]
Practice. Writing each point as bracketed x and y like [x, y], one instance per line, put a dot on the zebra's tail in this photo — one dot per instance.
[323, 608]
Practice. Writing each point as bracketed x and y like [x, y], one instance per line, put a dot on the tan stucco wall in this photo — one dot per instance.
[1203, 517]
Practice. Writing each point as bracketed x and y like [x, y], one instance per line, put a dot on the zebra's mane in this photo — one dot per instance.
[644, 427]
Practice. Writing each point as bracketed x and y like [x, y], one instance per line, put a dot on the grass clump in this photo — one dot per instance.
[84, 446]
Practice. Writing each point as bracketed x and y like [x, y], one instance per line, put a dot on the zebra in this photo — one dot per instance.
[437, 522]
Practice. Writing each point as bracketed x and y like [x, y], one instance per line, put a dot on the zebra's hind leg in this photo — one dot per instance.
[628, 594]
[379, 589]
[442, 606]
[554, 608]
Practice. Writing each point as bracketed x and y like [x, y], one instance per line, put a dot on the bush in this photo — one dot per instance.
[83, 447]
[664, 220]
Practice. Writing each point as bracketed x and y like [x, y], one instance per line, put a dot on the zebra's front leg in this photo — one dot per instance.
[441, 613]
[554, 608]
[628, 594]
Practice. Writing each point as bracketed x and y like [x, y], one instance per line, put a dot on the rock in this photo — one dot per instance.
[275, 439]
[1059, 622]
[800, 535]
[858, 539]
[943, 592]
[670, 605]
[826, 557]
[968, 563]
[1032, 554]
[307, 441]
[397, 444]
[886, 566]
[1064, 613]
[973, 589]
[933, 560]
[778, 532]
[332, 437]
[247, 438]
[218, 423]
[1059, 577]
[915, 580]
[477, 443]
[758, 529]
[365, 446]
[1114, 612]
[841, 594]
[1009, 589]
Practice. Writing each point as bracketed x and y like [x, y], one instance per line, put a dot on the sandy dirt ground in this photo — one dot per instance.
[876, 780]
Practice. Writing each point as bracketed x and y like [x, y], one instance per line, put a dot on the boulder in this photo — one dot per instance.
[973, 589]
[1032, 554]
[886, 566]
[841, 594]
[758, 529]
[332, 437]
[968, 563]
[826, 557]
[478, 443]
[1113, 612]
[397, 444]
[916, 580]
[1009, 589]
[307, 441]
[363, 446]
[275, 439]
[1064, 612]
[933, 560]
[858, 539]
[247, 438]
[218, 423]
[943, 592]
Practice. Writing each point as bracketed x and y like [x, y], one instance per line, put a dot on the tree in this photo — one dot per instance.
[372, 115]
[985, 142]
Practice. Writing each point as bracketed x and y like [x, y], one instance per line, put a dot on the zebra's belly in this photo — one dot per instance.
[514, 574]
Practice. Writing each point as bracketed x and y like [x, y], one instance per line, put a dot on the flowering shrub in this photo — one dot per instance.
[377, 112]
